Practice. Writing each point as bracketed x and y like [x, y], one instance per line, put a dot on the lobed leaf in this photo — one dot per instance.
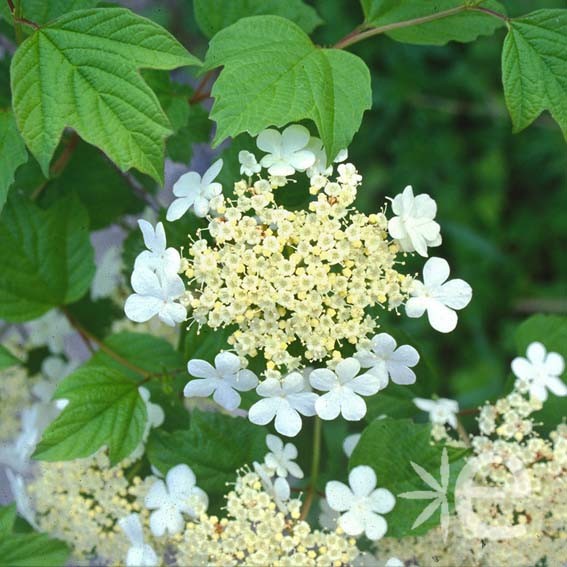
[12, 153]
[33, 550]
[534, 63]
[59, 79]
[273, 75]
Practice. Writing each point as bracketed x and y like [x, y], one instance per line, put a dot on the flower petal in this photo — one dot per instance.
[323, 379]
[157, 495]
[245, 380]
[201, 369]
[522, 368]
[554, 364]
[383, 345]
[288, 421]
[328, 406]
[435, 272]
[339, 496]
[556, 385]
[302, 160]
[269, 140]
[226, 397]
[188, 185]
[294, 138]
[353, 407]
[536, 353]
[351, 523]
[180, 480]
[441, 318]
[406, 355]
[366, 384]
[263, 411]
[347, 369]
[375, 527]
[199, 388]
[401, 374]
[362, 480]
[141, 308]
[227, 363]
[382, 501]
[210, 175]
[416, 306]
[456, 294]
[178, 208]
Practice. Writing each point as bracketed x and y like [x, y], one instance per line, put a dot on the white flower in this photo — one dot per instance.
[344, 389]
[541, 371]
[222, 380]
[248, 164]
[51, 330]
[286, 151]
[170, 499]
[157, 257]
[327, 516]
[414, 227]
[438, 296]
[17, 454]
[21, 497]
[155, 417]
[394, 562]
[320, 166]
[108, 275]
[281, 458]
[278, 489]
[195, 191]
[283, 401]
[362, 503]
[350, 442]
[155, 295]
[387, 361]
[140, 554]
[440, 411]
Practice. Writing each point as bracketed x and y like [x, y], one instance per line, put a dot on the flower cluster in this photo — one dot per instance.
[155, 281]
[257, 531]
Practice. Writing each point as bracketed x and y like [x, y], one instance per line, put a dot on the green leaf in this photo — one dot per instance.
[273, 75]
[7, 359]
[534, 59]
[389, 446]
[104, 190]
[104, 408]
[215, 447]
[43, 11]
[452, 20]
[197, 129]
[214, 15]
[59, 79]
[96, 316]
[551, 331]
[154, 355]
[395, 401]
[33, 550]
[12, 153]
[7, 519]
[46, 257]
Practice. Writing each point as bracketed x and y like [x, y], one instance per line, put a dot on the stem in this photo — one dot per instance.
[88, 336]
[312, 490]
[463, 433]
[360, 34]
[200, 92]
[16, 11]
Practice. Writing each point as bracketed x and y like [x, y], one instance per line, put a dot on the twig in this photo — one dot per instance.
[200, 92]
[463, 433]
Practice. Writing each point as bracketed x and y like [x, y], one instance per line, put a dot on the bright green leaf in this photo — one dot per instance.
[451, 20]
[7, 359]
[12, 153]
[534, 63]
[7, 519]
[215, 447]
[395, 401]
[389, 446]
[46, 257]
[104, 408]
[103, 98]
[273, 75]
[214, 15]
[33, 550]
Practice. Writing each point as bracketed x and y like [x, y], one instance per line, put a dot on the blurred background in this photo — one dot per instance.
[439, 123]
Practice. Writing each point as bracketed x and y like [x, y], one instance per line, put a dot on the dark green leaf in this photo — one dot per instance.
[214, 15]
[96, 316]
[46, 257]
[273, 75]
[7, 519]
[7, 359]
[451, 20]
[104, 408]
[215, 446]
[534, 59]
[33, 550]
[12, 153]
[59, 80]
[389, 446]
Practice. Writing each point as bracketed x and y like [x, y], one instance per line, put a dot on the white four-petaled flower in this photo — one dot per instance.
[195, 191]
[171, 499]
[286, 152]
[385, 360]
[361, 504]
[281, 458]
[541, 371]
[155, 294]
[140, 554]
[283, 400]
[344, 389]
[414, 227]
[222, 380]
[440, 411]
[320, 166]
[438, 296]
[157, 257]
[248, 164]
